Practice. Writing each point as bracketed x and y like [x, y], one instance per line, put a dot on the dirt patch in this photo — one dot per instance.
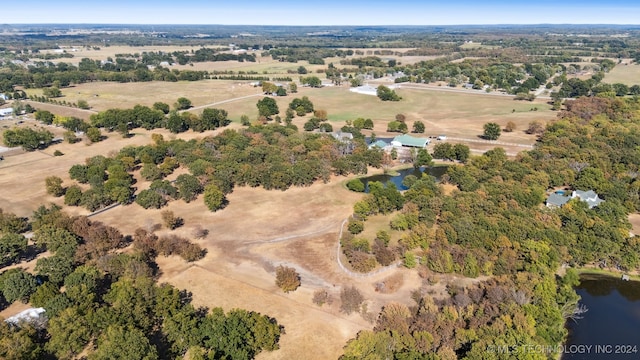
[634, 219]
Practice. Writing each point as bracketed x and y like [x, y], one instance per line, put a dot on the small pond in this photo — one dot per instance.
[609, 329]
[435, 171]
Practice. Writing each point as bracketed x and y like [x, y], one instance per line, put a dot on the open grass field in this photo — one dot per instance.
[107, 95]
[80, 52]
[456, 113]
[624, 74]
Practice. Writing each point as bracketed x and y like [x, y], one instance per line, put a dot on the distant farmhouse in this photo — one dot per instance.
[559, 199]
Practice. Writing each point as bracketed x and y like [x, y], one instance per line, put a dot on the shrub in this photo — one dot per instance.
[355, 185]
[57, 153]
[171, 221]
[287, 278]
[321, 297]
[355, 227]
[350, 299]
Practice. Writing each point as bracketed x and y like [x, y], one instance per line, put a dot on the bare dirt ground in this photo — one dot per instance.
[634, 219]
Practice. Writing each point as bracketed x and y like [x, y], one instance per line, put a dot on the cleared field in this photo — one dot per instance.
[625, 73]
[108, 95]
[456, 113]
[459, 114]
[80, 52]
[634, 219]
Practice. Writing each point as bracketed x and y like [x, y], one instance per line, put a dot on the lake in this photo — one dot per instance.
[610, 328]
[435, 171]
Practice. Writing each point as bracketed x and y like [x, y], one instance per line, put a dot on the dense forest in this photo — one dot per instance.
[495, 224]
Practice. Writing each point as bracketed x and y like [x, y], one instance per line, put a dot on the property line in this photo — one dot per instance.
[221, 102]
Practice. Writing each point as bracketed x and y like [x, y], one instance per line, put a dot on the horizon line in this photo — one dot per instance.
[316, 25]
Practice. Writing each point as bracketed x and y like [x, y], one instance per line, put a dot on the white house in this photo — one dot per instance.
[559, 198]
[6, 112]
[30, 315]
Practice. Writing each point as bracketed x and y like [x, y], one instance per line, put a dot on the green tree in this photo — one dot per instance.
[386, 94]
[491, 131]
[54, 186]
[287, 278]
[19, 342]
[52, 92]
[355, 185]
[213, 119]
[28, 138]
[418, 127]
[188, 186]
[45, 293]
[267, 107]
[70, 334]
[18, 286]
[176, 123]
[164, 107]
[44, 116]
[182, 104]
[11, 246]
[461, 152]
[94, 134]
[83, 104]
[312, 81]
[423, 158]
[150, 199]
[118, 342]
[214, 198]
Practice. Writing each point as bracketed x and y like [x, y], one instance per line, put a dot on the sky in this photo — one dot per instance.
[323, 12]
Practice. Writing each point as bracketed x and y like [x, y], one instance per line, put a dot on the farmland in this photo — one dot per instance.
[484, 228]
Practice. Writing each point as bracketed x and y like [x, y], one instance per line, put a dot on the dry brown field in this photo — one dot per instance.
[107, 95]
[454, 112]
[80, 52]
[624, 73]
[634, 219]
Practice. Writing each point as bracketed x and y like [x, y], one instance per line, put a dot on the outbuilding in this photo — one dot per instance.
[409, 141]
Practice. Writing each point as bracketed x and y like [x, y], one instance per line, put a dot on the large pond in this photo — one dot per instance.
[610, 329]
[435, 171]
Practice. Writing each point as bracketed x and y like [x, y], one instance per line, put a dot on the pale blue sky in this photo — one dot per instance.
[327, 12]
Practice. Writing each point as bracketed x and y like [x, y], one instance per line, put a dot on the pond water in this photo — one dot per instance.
[610, 327]
[435, 171]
